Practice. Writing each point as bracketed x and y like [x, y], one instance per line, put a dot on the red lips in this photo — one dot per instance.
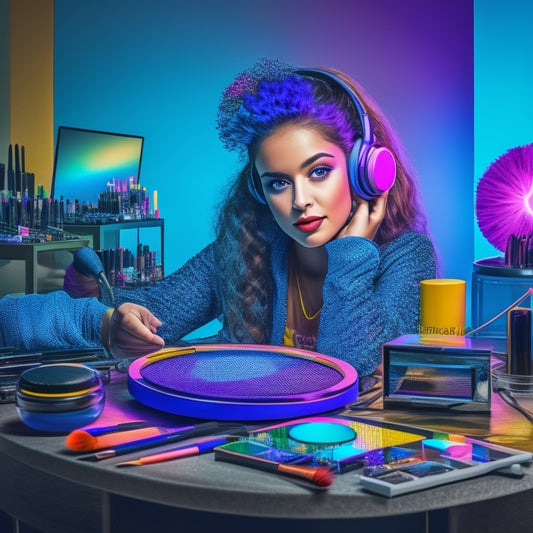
[308, 224]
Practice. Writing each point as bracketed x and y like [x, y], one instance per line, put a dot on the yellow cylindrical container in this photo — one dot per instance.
[442, 306]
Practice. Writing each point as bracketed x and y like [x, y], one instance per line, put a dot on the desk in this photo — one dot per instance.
[45, 486]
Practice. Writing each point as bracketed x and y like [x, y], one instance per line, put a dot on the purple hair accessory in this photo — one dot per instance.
[241, 84]
[245, 84]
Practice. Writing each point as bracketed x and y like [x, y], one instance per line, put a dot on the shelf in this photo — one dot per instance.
[36, 267]
[126, 234]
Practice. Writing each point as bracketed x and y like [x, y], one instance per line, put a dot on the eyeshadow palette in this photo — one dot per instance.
[392, 459]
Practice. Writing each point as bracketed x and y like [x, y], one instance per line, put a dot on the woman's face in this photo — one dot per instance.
[305, 182]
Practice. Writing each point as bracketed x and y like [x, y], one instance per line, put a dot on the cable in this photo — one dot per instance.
[509, 399]
[514, 304]
[87, 262]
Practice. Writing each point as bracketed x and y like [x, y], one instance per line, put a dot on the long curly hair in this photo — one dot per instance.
[250, 110]
[243, 259]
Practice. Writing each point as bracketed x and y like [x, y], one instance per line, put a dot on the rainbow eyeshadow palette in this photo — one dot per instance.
[392, 459]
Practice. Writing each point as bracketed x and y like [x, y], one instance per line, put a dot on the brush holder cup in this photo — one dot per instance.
[59, 398]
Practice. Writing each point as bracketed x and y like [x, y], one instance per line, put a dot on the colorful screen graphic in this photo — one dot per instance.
[87, 162]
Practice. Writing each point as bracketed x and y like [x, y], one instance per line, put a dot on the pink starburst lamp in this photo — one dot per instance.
[504, 198]
[504, 212]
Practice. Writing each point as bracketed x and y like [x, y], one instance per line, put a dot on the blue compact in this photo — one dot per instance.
[324, 433]
[59, 398]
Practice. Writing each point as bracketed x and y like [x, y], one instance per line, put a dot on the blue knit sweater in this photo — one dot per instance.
[371, 296]
[53, 321]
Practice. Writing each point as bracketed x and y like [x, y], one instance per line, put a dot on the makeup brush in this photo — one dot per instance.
[321, 476]
[81, 440]
[121, 426]
[197, 448]
[157, 440]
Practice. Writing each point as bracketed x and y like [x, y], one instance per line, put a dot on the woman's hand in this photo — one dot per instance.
[367, 218]
[130, 331]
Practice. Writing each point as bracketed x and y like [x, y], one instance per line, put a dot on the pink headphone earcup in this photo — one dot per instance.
[380, 170]
[372, 169]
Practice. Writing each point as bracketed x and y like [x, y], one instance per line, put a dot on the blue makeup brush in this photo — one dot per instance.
[157, 440]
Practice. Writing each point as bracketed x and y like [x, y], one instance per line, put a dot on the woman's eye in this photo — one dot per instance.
[321, 173]
[277, 185]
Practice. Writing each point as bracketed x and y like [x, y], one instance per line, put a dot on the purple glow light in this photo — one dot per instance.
[528, 201]
[504, 206]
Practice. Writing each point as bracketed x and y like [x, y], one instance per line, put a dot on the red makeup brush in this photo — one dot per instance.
[321, 476]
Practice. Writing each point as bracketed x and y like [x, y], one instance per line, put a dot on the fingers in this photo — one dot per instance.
[377, 213]
[149, 319]
[379, 205]
[367, 217]
[140, 322]
[141, 330]
[143, 314]
[132, 332]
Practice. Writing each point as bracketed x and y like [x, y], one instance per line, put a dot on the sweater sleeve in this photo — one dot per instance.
[372, 296]
[52, 321]
[184, 300]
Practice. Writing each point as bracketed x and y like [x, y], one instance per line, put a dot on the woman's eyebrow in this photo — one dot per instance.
[313, 158]
[305, 164]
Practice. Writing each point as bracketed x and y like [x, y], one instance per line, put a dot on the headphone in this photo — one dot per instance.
[371, 167]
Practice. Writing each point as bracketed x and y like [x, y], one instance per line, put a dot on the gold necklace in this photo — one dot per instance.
[302, 305]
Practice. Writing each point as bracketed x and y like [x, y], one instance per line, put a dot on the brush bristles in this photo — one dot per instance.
[80, 441]
[321, 476]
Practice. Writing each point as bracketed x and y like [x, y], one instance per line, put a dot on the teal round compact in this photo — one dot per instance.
[322, 433]
[59, 397]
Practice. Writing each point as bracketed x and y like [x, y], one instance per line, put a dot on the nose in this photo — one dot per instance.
[302, 196]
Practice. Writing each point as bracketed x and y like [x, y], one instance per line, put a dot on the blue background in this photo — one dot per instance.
[503, 87]
[157, 68]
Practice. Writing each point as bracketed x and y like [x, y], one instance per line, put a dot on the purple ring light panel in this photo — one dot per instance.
[242, 382]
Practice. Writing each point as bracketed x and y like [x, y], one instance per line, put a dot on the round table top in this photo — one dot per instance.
[201, 483]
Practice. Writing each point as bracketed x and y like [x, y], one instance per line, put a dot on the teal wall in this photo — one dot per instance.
[503, 87]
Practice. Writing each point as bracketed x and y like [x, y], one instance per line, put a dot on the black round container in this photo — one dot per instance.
[59, 397]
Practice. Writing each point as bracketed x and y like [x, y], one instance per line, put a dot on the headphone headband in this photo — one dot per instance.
[317, 74]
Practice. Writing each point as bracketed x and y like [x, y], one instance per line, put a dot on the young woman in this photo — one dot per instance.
[312, 249]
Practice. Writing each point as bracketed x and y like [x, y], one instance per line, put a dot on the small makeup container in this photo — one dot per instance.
[59, 397]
